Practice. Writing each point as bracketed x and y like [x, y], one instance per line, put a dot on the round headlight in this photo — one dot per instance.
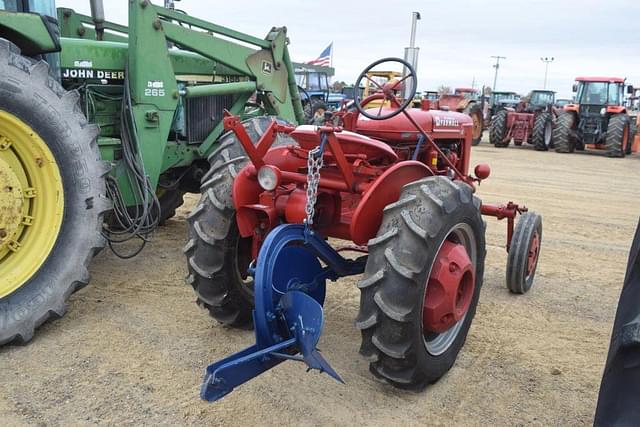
[603, 111]
[269, 177]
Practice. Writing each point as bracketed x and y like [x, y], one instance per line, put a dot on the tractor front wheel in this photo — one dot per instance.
[217, 256]
[52, 195]
[170, 200]
[561, 137]
[617, 137]
[542, 132]
[498, 130]
[524, 252]
[422, 282]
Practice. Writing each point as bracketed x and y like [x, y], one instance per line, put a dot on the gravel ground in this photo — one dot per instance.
[132, 349]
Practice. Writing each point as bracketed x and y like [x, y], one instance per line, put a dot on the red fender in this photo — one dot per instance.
[385, 190]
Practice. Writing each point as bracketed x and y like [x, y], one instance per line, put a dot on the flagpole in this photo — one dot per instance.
[331, 58]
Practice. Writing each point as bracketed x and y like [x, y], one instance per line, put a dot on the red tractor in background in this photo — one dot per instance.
[393, 181]
[597, 119]
[464, 100]
[530, 121]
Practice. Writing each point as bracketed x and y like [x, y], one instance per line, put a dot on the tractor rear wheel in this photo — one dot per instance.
[617, 137]
[422, 282]
[561, 137]
[53, 195]
[218, 257]
[542, 131]
[632, 134]
[475, 112]
[498, 130]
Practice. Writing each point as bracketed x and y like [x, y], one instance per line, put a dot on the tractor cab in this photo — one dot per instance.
[467, 93]
[430, 95]
[504, 98]
[43, 7]
[540, 100]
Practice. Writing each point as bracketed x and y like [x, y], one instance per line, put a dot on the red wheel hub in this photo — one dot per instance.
[534, 248]
[449, 288]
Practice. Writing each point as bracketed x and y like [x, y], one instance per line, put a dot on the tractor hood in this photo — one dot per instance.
[439, 124]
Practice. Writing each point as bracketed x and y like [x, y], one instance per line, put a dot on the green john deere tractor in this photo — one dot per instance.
[103, 128]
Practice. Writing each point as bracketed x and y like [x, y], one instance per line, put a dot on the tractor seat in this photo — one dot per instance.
[350, 142]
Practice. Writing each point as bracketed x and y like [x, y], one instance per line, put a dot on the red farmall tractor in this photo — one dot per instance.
[531, 121]
[464, 100]
[390, 184]
[597, 119]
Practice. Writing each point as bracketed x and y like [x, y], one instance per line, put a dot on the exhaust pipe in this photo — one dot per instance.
[97, 15]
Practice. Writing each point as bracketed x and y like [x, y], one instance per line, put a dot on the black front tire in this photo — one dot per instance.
[395, 279]
[170, 200]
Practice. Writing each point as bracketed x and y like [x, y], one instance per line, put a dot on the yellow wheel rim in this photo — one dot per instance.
[31, 203]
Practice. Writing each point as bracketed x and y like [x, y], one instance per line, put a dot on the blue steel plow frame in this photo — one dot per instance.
[290, 284]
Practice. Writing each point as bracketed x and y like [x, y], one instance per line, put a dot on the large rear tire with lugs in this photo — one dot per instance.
[498, 130]
[542, 133]
[53, 195]
[433, 232]
[618, 135]
[562, 135]
[632, 134]
[217, 256]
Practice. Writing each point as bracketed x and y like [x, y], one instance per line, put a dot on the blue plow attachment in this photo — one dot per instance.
[288, 317]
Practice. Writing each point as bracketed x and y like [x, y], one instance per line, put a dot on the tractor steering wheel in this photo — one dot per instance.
[387, 92]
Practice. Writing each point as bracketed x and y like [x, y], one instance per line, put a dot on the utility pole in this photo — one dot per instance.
[496, 66]
[547, 61]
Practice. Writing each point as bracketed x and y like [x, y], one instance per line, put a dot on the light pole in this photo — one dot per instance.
[547, 61]
[496, 66]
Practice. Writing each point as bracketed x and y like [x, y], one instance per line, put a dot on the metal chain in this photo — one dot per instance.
[315, 162]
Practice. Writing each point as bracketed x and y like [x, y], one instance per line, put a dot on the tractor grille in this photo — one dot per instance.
[591, 109]
[590, 126]
[203, 114]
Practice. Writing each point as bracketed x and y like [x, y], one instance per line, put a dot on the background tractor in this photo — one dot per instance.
[97, 118]
[467, 101]
[597, 119]
[530, 121]
[499, 101]
[393, 184]
[313, 84]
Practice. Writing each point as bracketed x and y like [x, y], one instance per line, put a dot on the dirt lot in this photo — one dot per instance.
[133, 346]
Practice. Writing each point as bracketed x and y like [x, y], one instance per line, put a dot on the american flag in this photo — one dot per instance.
[325, 57]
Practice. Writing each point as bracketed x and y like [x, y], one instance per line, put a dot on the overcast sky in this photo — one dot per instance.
[456, 38]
